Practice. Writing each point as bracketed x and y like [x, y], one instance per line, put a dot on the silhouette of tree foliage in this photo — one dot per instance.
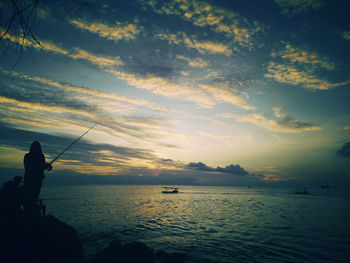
[18, 18]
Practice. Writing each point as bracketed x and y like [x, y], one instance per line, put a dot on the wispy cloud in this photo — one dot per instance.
[194, 63]
[296, 66]
[227, 140]
[76, 54]
[301, 56]
[290, 75]
[97, 60]
[284, 124]
[192, 42]
[117, 32]
[44, 45]
[32, 107]
[165, 87]
[203, 14]
[224, 93]
[159, 85]
[83, 91]
[115, 121]
[346, 35]
[292, 7]
[347, 127]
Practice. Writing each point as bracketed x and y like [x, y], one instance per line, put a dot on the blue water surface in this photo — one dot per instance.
[210, 224]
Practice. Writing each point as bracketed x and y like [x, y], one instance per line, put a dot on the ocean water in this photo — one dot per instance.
[210, 224]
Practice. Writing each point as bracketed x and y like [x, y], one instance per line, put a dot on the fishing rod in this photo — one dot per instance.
[81, 136]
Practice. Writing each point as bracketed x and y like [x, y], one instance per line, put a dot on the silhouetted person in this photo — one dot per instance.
[34, 165]
[11, 198]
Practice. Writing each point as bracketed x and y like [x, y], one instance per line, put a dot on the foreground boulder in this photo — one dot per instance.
[40, 239]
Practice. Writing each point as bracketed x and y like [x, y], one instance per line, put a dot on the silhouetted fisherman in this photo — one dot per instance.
[11, 195]
[34, 165]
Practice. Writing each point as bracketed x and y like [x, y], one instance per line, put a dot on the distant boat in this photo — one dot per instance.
[170, 190]
[302, 192]
[325, 186]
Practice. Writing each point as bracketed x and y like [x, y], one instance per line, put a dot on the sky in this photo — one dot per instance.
[182, 92]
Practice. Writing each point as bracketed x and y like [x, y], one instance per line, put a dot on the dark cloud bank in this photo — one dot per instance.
[231, 169]
[344, 151]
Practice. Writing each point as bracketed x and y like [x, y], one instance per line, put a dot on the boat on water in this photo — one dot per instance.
[325, 186]
[305, 192]
[170, 190]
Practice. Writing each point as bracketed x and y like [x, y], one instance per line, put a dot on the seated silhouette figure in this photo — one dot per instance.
[11, 198]
[34, 165]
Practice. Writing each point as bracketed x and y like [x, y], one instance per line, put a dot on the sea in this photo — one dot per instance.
[210, 224]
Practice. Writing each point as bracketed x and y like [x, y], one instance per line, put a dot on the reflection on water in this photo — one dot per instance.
[211, 224]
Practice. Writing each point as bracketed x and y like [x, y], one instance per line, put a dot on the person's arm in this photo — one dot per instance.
[47, 166]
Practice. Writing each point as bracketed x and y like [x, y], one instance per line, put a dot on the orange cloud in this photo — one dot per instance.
[117, 32]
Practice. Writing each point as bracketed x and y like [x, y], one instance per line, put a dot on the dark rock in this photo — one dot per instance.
[110, 254]
[41, 239]
[137, 252]
[163, 257]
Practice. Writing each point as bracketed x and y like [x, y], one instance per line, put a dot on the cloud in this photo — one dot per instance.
[228, 140]
[126, 164]
[165, 87]
[97, 60]
[284, 124]
[32, 107]
[44, 45]
[346, 35]
[208, 46]
[293, 7]
[117, 32]
[156, 84]
[35, 103]
[231, 169]
[86, 157]
[290, 75]
[77, 54]
[295, 66]
[271, 173]
[192, 42]
[194, 63]
[77, 92]
[203, 14]
[344, 151]
[300, 56]
[224, 93]
[35, 116]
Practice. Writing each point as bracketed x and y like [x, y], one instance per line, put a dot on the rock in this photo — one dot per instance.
[108, 255]
[163, 257]
[41, 239]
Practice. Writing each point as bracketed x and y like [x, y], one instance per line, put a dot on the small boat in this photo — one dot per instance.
[302, 192]
[170, 190]
[325, 186]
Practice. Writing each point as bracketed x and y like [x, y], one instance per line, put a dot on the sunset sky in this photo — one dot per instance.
[198, 92]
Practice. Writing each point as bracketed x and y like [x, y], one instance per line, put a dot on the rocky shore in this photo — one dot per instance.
[47, 239]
